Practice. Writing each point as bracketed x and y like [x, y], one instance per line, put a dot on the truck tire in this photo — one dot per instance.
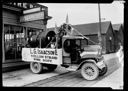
[89, 71]
[103, 70]
[36, 67]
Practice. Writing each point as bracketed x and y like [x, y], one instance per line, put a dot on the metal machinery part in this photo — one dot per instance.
[41, 39]
[46, 37]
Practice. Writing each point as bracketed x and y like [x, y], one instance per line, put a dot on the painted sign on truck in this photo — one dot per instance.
[42, 55]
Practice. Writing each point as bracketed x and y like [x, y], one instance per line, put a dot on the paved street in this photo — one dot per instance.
[113, 78]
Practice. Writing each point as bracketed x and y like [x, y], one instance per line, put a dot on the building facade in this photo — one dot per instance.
[19, 21]
[91, 31]
[118, 35]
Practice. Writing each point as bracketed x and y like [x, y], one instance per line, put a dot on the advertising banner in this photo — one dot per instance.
[42, 55]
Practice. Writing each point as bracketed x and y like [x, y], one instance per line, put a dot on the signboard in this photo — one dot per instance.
[42, 55]
[25, 5]
[28, 11]
[32, 17]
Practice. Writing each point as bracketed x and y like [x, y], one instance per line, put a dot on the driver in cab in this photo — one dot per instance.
[74, 52]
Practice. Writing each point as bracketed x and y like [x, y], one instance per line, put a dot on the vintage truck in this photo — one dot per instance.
[72, 54]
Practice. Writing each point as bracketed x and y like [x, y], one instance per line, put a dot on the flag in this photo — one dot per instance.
[67, 20]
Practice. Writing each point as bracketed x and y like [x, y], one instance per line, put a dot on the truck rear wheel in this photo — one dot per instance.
[89, 71]
[36, 67]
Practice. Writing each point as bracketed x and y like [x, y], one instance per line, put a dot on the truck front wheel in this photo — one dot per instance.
[89, 71]
[36, 67]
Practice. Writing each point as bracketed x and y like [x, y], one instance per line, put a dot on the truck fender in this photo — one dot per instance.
[86, 61]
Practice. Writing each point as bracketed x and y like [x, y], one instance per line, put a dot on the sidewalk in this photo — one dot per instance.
[22, 77]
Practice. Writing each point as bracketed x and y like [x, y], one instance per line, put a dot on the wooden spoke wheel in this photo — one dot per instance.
[36, 67]
[89, 71]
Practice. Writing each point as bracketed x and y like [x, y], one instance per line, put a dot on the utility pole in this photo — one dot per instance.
[99, 32]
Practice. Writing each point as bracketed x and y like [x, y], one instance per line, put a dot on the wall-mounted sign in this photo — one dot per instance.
[28, 11]
[32, 17]
[25, 5]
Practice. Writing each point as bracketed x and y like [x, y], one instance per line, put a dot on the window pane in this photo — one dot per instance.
[14, 41]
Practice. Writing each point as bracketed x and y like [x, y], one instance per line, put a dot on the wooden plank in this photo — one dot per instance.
[10, 21]
[11, 15]
[11, 8]
[33, 25]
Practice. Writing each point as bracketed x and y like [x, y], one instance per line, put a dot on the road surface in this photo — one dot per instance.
[74, 79]
[63, 78]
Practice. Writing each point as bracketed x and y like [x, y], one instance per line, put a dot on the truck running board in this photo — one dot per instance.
[72, 68]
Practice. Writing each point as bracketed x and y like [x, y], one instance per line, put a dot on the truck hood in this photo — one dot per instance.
[91, 50]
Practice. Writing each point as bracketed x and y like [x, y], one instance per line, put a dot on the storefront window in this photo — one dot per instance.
[14, 41]
[15, 38]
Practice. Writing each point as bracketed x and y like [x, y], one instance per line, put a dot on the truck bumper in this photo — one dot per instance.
[101, 64]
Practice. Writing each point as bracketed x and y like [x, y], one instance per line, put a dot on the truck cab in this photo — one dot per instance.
[75, 49]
